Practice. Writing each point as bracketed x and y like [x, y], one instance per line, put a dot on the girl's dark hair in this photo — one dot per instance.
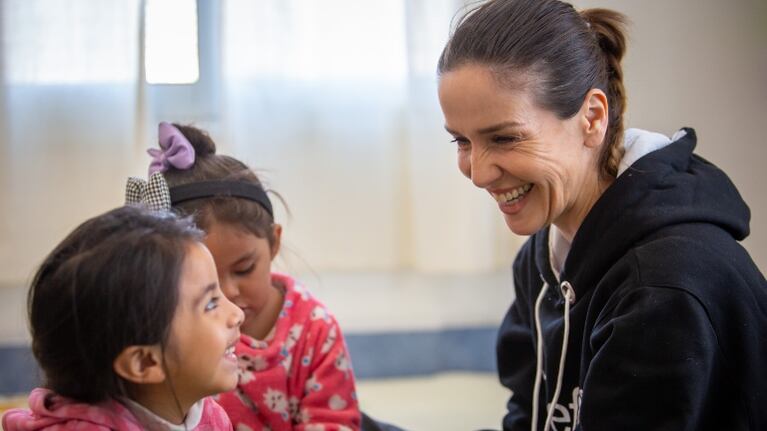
[209, 166]
[562, 53]
[110, 284]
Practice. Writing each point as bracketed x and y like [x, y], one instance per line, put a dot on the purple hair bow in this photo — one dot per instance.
[175, 150]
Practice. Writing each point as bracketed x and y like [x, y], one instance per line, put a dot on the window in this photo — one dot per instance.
[181, 48]
[170, 42]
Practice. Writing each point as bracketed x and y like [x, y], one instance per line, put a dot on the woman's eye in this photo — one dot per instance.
[505, 139]
[245, 271]
[212, 304]
[461, 142]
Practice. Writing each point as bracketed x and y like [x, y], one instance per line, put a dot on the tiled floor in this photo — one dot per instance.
[444, 402]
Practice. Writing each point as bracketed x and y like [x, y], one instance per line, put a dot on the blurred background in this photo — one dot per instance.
[333, 103]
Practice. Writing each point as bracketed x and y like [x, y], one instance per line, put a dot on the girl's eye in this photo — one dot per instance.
[212, 304]
[245, 271]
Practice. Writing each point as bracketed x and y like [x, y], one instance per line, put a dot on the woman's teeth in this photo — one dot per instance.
[512, 196]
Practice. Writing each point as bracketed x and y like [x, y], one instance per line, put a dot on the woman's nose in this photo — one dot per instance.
[483, 170]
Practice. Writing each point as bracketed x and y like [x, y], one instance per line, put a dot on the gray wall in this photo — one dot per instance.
[703, 64]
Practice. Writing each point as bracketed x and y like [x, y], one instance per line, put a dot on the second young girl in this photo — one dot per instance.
[295, 369]
[130, 329]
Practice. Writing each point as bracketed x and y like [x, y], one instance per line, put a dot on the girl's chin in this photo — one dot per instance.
[230, 381]
[233, 383]
[251, 328]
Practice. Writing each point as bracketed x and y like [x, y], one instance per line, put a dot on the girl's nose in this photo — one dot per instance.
[229, 287]
[237, 316]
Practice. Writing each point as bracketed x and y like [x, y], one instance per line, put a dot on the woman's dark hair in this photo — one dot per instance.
[209, 166]
[110, 284]
[561, 53]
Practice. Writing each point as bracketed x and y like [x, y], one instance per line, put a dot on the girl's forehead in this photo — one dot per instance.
[230, 242]
[231, 232]
[198, 271]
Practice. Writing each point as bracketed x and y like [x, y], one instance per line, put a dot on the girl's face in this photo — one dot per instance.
[532, 163]
[244, 264]
[204, 330]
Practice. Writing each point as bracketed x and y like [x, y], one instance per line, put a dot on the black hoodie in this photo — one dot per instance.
[668, 328]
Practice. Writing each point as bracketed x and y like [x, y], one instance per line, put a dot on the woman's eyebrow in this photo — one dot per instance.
[499, 126]
[490, 129]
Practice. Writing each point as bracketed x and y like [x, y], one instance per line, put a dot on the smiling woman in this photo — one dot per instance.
[622, 284]
[525, 156]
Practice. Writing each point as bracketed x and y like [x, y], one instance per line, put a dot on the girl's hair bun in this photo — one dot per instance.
[200, 140]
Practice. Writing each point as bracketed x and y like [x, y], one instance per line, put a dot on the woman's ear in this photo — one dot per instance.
[595, 111]
[140, 364]
[277, 239]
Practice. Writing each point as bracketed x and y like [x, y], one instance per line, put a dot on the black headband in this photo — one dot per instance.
[213, 189]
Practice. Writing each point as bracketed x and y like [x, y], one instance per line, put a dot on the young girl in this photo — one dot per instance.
[131, 329]
[295, 370]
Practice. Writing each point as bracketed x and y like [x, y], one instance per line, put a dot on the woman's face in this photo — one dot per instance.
[534, 164]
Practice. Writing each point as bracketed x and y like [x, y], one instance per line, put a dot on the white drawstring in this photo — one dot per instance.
[569, 294]
[538, 356]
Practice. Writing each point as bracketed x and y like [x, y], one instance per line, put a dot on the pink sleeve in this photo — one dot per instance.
[18, 420]
[330, 397]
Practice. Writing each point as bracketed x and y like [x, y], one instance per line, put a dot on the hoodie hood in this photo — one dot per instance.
[665, 187]
[47, 409]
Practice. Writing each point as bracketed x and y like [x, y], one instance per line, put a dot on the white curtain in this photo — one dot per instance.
[68, 97]
[337, 101]
[333, 102]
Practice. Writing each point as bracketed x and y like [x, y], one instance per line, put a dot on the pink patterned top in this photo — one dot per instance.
[300, 377]
[51, 412]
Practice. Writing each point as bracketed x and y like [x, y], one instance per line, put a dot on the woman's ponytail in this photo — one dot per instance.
[609, 28]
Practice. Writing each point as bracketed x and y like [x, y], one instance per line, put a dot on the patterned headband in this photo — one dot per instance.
[153, 193]
[156, 195]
